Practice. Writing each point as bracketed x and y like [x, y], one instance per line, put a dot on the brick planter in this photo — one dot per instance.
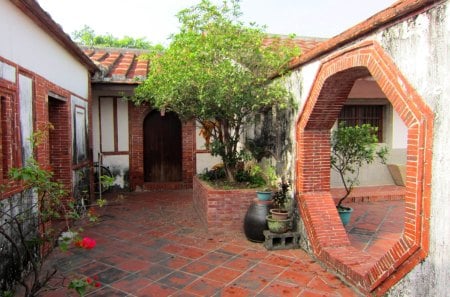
[221, 210]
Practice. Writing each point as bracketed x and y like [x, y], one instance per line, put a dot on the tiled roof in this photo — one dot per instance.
[122, 66]
[305, 43]
[118, 65]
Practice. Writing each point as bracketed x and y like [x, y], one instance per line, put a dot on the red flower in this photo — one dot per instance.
[97, 285]
[86, 243]
[89, 280]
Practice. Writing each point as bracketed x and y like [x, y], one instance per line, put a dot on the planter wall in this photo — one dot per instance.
[221, 210]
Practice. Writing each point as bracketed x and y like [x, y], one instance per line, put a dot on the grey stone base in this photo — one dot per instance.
[283, 241]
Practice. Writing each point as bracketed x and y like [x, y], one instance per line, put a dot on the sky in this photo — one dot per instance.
[156, 21]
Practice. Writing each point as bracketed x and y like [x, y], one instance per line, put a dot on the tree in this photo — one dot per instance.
[216, 71]
[351, 148]
[86, 36]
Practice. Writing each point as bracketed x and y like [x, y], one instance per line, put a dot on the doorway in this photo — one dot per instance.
[162, 147]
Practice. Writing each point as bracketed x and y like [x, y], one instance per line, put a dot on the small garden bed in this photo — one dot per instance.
[221, 210]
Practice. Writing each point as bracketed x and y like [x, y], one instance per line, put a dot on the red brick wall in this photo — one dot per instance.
[137, 115]
[56, 152]
[60, 141]
[328, 238]
[221, 210]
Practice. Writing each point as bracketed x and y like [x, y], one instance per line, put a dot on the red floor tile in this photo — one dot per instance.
[301, 278]
[234, 291]
[155, 289]
[178, 279]
[154, 244]
[197, 267]
[133, 265]
[204, 287]
[223, 274]
[280, 289]
[239, 264]
[132, 283]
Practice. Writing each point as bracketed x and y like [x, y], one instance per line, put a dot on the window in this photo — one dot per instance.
[8, 148]
[363, 114]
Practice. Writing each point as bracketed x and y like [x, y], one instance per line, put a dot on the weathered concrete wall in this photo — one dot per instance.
[420, 47]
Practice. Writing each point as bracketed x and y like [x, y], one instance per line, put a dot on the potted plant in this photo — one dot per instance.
[268, 178]
[278, 221]
[351, 148]
[280, 201]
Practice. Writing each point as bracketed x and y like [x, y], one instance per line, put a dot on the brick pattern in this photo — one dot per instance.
[60, 140]
[56, 152]
[137, 115]
[328, 238]
[221, 210]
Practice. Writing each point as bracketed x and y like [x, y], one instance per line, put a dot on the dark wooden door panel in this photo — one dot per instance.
[162, 147]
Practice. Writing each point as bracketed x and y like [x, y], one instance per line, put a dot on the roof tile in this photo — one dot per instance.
[118, 65]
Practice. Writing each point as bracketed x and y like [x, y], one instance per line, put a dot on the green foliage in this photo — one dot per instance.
[86, 36]
[281, 197]
[25, 228]
[216, 71]
[351, 148]
[216, 173]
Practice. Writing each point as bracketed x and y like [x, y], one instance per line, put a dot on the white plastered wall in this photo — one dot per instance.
[24, 43]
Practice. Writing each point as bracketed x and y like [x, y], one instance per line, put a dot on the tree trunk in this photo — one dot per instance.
[230, 172]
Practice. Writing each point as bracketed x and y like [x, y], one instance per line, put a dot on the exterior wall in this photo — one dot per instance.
[137, 116]
[29, 46]
[110, 130]
[419, 47]
[38, 87]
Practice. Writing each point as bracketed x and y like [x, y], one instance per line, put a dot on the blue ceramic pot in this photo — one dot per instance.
[345, 215]
[263, 195]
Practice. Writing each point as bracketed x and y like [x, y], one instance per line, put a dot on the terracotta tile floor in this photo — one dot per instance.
[375, 226]
[153, 244]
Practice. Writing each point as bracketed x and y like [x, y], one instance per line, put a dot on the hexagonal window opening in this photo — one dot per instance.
[328, 238]
[377, 220]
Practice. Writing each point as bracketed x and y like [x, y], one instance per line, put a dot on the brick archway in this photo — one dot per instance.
[137, 116]
[328, 238]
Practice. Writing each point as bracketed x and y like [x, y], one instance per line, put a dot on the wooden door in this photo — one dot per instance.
[162, 147]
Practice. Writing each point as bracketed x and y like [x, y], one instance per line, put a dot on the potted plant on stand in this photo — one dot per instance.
[278, 221]
[280, 201]
[351, 148]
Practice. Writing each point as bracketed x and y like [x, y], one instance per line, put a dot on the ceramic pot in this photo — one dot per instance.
[264, 195]
[255, 220]
[277, 225]
[345, 215]
[279, 214]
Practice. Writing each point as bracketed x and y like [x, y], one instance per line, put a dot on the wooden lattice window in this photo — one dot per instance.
[354, 115]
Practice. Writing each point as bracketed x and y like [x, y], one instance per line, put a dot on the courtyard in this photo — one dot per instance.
[153, 244]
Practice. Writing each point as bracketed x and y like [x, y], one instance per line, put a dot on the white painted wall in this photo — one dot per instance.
[24, 43]
[204, 160]
[119, 167]
[420, 48]
[117, 162]
[107, 124]
[122, 125]
[79, 112]
[26, 114]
